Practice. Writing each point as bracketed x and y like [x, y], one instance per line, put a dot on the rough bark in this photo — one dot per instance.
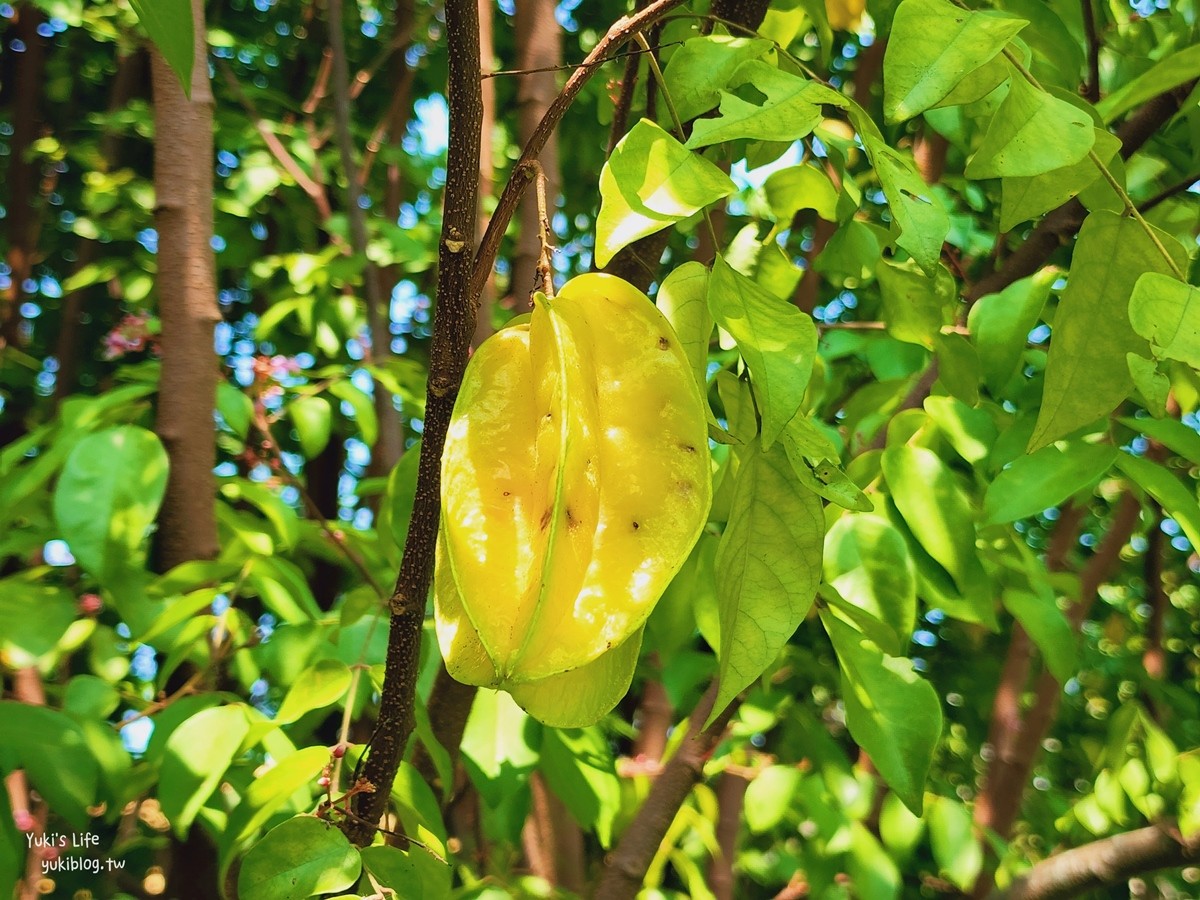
[183, 216]
[1104, 864]
[453, 324]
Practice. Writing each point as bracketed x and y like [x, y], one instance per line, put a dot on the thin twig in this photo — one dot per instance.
[276, 147]
[1168, 193]
[544, 268]
[569, 67]
[188, 687]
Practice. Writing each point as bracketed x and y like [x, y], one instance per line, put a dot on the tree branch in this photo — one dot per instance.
[1104, 863]
[453, 323]
[625, 869]
[621, 31]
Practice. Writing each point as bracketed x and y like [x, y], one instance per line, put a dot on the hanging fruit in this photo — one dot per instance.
[575, 481]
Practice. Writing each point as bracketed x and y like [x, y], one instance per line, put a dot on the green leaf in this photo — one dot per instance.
[1178, 501]
[1049, 36]
[499, 744]
[90, 697]
[900, 829]
[398, 501]
[283, 588]
[777, 340]
[767, 568]
[580, 769]
[1086, 371]
[284, 519]
[769, 797]
[197, 754]
[1175, 69]
[1166, 312]
[682, 298]
[916, 209]
[737, 400]
[1151, 385]
[891, 712]
[1000, 325]
[699, 69]
[321, 684]
[1027, 197]
[1171, 433]
[107, 497]
[789, 111]
[299, 858]
[235, 407]
[933, 46]
[971, 432]
[1049, 629]
[270, 791]
[363, 406]
[868, 562]
[873, 874]
[936, 511]
[959, 371]
[312, 417]
[170, 25]
[915, 305]
[56, 757]
[956, 850]
[1044, 479]
[649, 183]
[800, 187]
[396, 869]
[178, 610]
[35, 616]
[1032, 132]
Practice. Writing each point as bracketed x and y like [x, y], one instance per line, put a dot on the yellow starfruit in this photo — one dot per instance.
[575, 481]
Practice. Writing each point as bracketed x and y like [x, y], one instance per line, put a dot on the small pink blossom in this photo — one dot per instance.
[131, 335]
[90, 604]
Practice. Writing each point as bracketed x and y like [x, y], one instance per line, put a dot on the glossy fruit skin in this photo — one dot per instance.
[575, 481]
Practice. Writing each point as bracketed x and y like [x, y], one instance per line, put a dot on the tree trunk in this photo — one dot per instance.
[183, 215]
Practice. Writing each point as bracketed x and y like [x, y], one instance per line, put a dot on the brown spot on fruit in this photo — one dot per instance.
[636, 526]
[572, 522]
[687, 448]
[546, 517]
[663, 343]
